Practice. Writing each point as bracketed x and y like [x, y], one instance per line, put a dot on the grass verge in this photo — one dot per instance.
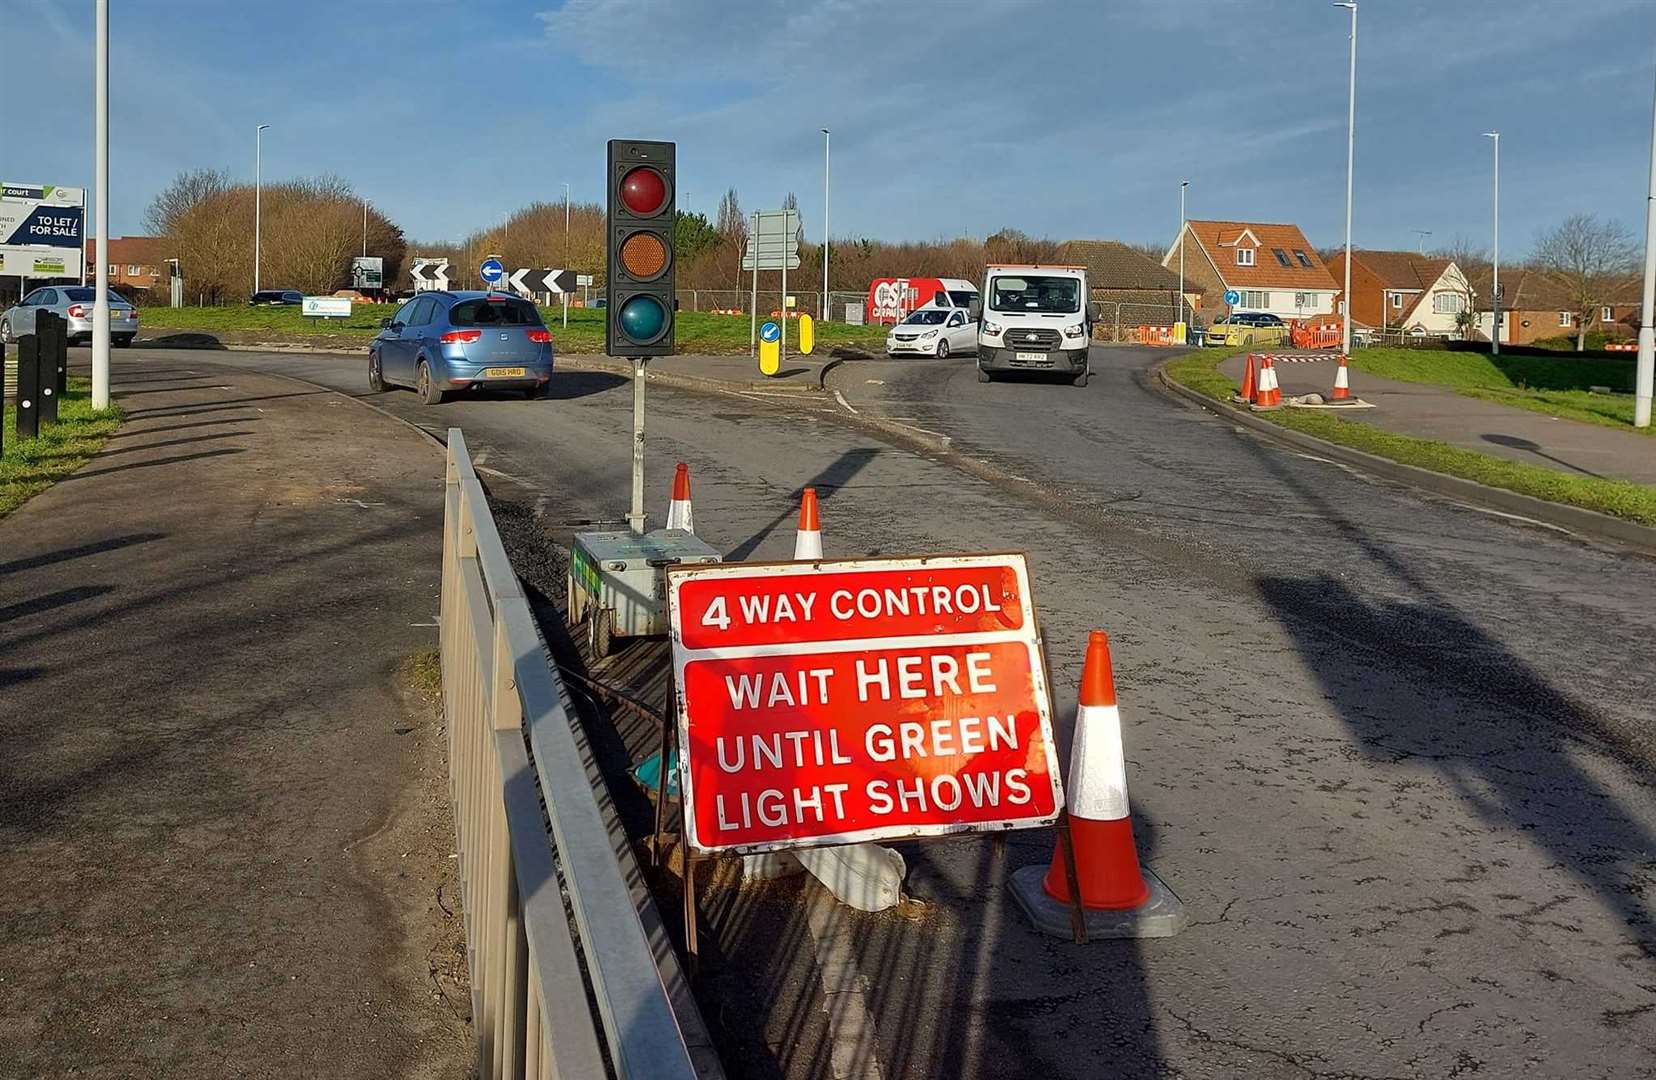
[1547, 385]
[697, 332]
[30, 466]
[1618, 498]
[425, 672]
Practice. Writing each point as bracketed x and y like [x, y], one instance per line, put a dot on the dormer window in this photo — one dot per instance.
[1244, 256]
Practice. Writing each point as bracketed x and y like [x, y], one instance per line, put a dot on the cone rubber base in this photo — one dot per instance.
[1163, 915]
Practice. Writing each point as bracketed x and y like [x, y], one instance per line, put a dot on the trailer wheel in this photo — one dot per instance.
[602, 632]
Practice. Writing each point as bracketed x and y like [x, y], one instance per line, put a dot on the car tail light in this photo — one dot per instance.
[540, 337]
[460, 337]
[76, 311]
[134, 313]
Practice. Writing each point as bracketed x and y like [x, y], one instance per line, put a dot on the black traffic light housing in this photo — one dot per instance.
[642, 202]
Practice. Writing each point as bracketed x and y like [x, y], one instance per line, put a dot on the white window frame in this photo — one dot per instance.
[1254, 300]
[1606, 314]
[1304, 300]
[1244, 256]
[1448, 303]
[1396, 301]
[1566, 319]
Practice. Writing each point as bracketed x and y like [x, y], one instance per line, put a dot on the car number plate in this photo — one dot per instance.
[503, 372]
[1038, 357]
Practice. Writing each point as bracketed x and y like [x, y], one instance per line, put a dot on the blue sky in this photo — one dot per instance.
[1064, 118]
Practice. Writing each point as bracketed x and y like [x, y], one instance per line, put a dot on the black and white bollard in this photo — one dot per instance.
[28, 386]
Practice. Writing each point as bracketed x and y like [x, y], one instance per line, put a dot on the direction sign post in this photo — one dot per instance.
[773, 244]
[491, 271]
[1232, 296]
[840, 702]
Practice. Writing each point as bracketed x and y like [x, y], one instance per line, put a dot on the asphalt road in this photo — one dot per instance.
[1394, 753]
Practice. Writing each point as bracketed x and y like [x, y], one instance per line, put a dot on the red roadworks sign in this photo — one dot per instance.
[835, 702]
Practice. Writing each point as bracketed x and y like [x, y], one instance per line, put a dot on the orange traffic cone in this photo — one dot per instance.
[1118, 897]
[1247, 394]
[808, 541]
[679, 515]
[1106, 863]
[1342, 383]
[1268, 395]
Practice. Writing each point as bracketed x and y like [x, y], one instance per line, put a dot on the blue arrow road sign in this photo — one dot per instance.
[491, 271]
[1232, 296]
[770, 332]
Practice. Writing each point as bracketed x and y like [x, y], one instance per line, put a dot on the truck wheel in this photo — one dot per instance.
[602, 632]
[984, 376]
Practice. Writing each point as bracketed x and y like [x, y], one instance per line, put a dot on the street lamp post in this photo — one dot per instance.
[1351, 154]
[1645, 374]
[566, 225]
[825, 159]
[258, 197]
[1183, 185]
[365, 226]
[100, 301]
[1495, 258]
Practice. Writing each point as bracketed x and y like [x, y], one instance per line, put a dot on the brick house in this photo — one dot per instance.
[135, 262]
[1272, 268]
[1537, 306]
[1402, 290]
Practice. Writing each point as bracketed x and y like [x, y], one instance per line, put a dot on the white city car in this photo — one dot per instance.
[933, 331]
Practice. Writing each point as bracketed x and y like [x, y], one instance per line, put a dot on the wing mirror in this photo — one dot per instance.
[385, 324]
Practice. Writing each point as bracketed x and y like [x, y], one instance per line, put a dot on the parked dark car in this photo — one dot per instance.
[276, 298]
[441, 343]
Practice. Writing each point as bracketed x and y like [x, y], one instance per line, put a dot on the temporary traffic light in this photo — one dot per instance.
[642, 220]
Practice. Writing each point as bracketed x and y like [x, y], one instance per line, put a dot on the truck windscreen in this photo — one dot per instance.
[1030, 292]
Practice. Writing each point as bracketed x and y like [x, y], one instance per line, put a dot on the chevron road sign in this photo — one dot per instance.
[530, 281]
[430, 274]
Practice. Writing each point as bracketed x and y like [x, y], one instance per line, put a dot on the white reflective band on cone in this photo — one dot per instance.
[808, 545]
[679, 516]
[1098, 769]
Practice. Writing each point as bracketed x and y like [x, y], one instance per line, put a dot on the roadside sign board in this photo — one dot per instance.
[429, 274]
[492, 270]
[1232, 296]
[367, 272]
[326, 307]
[843, 701]
[775, 241]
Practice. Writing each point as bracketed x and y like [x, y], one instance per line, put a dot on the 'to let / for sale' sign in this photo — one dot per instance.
[835, 702]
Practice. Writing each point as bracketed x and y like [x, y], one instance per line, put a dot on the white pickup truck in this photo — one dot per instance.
[1035, 319]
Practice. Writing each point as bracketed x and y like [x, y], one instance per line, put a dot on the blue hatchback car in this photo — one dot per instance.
[441, 343]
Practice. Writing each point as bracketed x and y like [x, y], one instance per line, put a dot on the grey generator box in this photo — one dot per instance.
[618, 581]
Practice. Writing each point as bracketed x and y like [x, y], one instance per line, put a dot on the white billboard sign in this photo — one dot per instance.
[775, 241]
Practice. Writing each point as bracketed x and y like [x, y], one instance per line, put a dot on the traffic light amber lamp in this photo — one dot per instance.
[640, 234]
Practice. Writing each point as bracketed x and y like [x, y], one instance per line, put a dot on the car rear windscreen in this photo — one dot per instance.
[78, 295]
[494, 311]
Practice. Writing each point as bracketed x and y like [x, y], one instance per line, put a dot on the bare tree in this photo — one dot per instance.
[1584, 255]
[187, 191]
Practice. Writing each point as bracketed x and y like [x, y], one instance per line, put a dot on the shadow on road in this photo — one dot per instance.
[1515, 443]
[1504, 739]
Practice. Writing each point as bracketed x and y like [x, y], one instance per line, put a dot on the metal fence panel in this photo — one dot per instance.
[511, 748]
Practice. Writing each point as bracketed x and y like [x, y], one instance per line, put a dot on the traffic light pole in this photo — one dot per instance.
[635, 517]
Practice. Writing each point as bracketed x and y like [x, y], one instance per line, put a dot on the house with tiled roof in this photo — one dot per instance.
[1536, 305]
[1269, 268]
[1118, 274]
[1401, 290]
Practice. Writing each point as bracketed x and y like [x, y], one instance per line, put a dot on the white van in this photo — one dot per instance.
[1035, 319]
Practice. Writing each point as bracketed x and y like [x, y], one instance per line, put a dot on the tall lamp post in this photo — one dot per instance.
[825, 159]
[1495, 260]
[100, 302]
[258, 197]
[1183, 184]
[1351, 148]
[1645, 374]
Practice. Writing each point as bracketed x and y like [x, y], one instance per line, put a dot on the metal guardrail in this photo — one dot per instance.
[564, 963]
